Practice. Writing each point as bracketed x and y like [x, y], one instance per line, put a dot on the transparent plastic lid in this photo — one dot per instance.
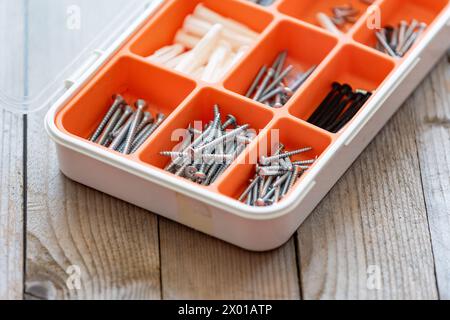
[44, 43]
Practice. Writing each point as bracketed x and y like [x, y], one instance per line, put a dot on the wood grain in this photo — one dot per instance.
[372, 223]
[114, 244]
[195, 266]
[11, 157]
[431, 106]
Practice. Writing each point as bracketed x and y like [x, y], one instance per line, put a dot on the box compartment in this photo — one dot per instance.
[306, 10]
[200, 108]
[392, 12]
[280, 132]
[349, 66]
[133, 79]
[286, 35]
[162, 29]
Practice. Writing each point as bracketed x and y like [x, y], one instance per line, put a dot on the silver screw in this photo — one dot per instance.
[115, 144]
[266, 160]
[278, 80]
[146, 120]
[258, 78]
[128, 111]
[401, 34]
[226, 136]
[140, 105]
[249, 188]
[159, 120]
[118, 101]
[231, 121]
[105, 136]
[382, 39]
[409, 43]
[262, 88]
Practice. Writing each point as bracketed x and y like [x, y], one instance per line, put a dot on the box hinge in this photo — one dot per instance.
[69, 82]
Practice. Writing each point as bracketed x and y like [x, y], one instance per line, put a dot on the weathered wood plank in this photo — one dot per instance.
[195, 266]
[369, 238]
[114, 244]
[431, 105]
[11, 156]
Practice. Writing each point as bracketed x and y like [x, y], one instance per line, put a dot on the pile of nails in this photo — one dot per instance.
[125, 130]
[275, 177]
[205, 155]
[264, 3]
[339, 107]
[271, 86]
[207, 46]
[396, 41]
[341, 16]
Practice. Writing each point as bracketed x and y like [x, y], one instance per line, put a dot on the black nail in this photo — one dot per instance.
[336, 87]
[345, 90]
[334, 114]
[351, 112]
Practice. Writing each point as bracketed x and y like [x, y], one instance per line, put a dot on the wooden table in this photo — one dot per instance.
[383, 232]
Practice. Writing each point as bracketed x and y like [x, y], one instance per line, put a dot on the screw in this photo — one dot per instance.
[287, 184]
[105, 136]
[231, 121]
[159, 120]
[262, 88]
[258, 78]
[266, 160]
[140, 106]
[128, 111]
[409, 32]
[174, 154]
[302, 79]
[281, 179]
[262, 202]
[229, 135]
[278, 80]
[410, 42]
[382, 39]
[280, 64]
[293, 179]
[115, 144]
[305, 162]
[118, 101]
[147, 119]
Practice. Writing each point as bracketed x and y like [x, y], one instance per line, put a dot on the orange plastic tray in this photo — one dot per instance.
[287, 24]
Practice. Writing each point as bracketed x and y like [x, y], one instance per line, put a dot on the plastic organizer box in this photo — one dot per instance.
[290, 25]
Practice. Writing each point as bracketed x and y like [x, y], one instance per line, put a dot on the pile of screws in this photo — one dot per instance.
[275, 177]
[341, 16]
[205, 155]
[339, 107]
[264, 3]
[396, 41]
[207, 46]
[270, 85]
[125, 130]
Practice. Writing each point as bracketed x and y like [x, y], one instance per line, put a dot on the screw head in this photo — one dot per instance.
[336, 86]
[232, 119]
[118, 98]
[190, 172]
[261, 203]
[346, 89]
[141, 104]
[200, 175]
[160, 117]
